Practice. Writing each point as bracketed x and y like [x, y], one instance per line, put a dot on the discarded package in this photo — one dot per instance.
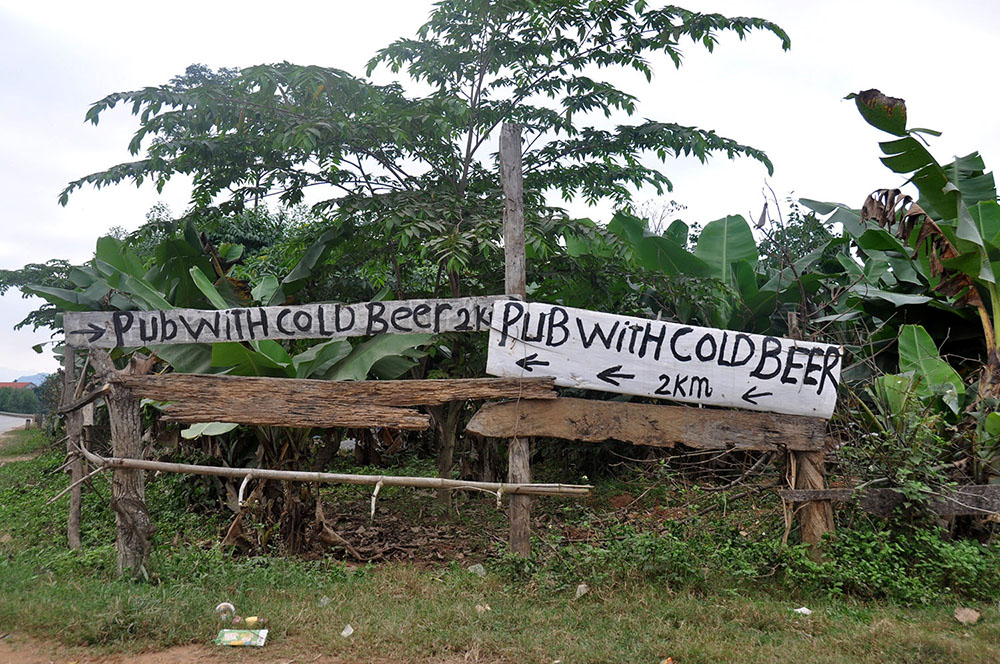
[241, 637]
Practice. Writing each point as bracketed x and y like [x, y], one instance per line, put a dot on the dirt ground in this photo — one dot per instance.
[19, 649]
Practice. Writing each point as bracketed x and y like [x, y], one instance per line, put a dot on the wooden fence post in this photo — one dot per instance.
[816, 516]
[74, 437]
[128, 491]
[519, 451]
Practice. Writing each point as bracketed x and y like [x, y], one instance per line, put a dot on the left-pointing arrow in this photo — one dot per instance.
[750, 395]
[95, 332]
[527, 362]
[610, 375]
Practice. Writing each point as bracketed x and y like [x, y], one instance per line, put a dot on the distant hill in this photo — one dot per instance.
[34, 379]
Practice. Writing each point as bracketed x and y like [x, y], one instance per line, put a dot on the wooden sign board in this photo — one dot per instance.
[111, 329]
[629, 355]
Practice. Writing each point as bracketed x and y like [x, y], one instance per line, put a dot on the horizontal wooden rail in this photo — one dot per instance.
[202, 388]
[341, 478]
[648, 424]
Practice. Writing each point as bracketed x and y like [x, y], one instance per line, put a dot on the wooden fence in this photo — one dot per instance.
[533, 347]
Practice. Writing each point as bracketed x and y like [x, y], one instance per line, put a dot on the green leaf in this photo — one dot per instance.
[274, 350]
[186, 358]
[992, 424]
[363, 356]
[242, 361]
[880, 111]
[655, 252]
[894, 390]
[867, 292]
[207, 429]
[724, 242]
[877, 239]
[918, 354]
[745, 279]
[316, 361]
[207, 288]
[392, 367]
[145, 293]
[265, 290]
[314, 255]
[986, 217]
[64, 298]
[678, 233]
[113, 252]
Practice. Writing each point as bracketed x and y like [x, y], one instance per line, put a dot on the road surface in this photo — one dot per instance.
[7, 423]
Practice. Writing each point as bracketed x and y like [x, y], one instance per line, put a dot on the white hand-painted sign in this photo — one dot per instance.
[110, 329]
[629, 355]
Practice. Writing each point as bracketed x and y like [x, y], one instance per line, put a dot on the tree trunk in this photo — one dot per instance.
[486, 463]
[446, 421]
[128, 493]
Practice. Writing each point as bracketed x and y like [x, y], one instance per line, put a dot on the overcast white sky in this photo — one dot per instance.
[56, 58]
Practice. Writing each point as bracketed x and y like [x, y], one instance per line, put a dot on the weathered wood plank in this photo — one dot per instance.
[974, 499]
[304, 413]
[647, 424]
[213, 387]
[110, 329]
[512, 181]
[629, 355]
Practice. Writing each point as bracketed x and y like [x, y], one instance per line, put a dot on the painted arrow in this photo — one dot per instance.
[527, 362]
[95, 332]
[749, 395]
[609, 375]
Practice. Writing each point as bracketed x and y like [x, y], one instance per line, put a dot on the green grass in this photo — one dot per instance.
[692, 592]
[22, 442]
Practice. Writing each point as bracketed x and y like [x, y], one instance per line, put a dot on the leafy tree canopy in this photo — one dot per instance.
[421, 166]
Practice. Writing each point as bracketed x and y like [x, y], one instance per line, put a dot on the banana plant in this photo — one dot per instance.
[942, 248]
[726, 285]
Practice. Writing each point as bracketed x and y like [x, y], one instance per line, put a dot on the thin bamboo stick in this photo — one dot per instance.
[340, 478]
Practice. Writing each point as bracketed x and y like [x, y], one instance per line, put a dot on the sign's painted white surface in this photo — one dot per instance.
[638, 356]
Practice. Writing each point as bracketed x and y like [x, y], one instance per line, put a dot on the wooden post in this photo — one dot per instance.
[816, 516]
[519, 451]
[128, 491]
[74, 437]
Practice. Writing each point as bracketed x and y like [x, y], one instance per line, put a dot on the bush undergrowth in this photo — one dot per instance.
[870, 561]
[46, 585]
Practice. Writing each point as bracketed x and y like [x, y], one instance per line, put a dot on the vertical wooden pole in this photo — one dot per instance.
[128, 490]
[816, 516]
[74, 437]
[519, 451]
